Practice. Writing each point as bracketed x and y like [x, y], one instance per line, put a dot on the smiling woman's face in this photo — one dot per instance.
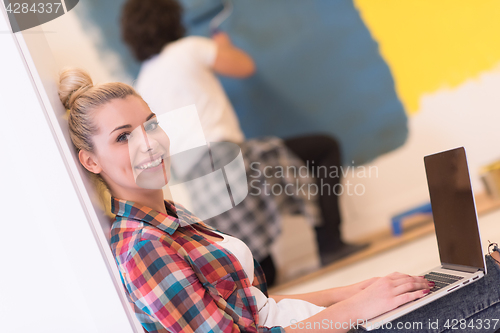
[131, 150]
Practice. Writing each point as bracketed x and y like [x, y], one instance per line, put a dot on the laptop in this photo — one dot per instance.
[457, 232]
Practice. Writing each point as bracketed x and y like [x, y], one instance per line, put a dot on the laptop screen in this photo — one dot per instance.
[453, 208]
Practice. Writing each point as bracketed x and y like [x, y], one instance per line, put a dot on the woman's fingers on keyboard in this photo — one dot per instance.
[411, 286]
[387, 293]
[411, 279]
[410, 296]
[398, 276]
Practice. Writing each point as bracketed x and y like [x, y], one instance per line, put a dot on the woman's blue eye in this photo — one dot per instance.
[123, 137]
[151, 126]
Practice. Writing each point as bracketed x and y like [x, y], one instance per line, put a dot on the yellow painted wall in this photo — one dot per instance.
[431, 44]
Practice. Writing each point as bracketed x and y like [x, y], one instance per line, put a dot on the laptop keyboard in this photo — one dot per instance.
[441, 280]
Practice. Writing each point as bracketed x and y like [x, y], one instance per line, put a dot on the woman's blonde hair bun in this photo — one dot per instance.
[72, 83]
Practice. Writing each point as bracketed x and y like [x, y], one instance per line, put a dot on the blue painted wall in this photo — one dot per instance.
[319, 70]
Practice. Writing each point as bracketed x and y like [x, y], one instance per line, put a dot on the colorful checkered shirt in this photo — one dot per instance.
[176, 280]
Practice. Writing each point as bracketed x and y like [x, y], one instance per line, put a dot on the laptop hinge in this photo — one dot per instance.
[460, 268]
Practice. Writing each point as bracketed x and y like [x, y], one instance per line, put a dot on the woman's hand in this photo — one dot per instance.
[342, 293]
[387, 293]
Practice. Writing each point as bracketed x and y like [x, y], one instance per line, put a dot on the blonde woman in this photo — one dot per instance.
[181, 275]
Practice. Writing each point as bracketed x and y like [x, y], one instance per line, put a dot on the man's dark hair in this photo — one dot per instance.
[148, 25]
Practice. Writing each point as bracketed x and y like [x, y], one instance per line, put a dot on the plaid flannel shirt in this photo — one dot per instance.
[176, 280]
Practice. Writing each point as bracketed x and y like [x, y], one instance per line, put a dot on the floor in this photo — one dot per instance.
[413, 258]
